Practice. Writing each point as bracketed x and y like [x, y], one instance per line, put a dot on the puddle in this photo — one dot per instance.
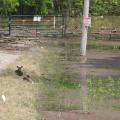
[88, 86]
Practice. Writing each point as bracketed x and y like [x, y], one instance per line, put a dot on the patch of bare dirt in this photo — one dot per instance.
[49, 115]
[11, 48]
[15, 43]
[6, 59]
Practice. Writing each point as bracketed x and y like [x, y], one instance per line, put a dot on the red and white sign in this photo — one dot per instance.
[87, 21]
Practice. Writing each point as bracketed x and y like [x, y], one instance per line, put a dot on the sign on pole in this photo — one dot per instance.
[87, 21]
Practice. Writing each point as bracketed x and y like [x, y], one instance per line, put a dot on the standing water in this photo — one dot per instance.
[79, 89]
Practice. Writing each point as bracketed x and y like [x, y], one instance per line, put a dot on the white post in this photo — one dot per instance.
[83, 79]
[54, 22]
[84, 28]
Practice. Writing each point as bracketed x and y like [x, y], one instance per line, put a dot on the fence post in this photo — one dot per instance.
[9, 24]
[54, 22]
[65, 24]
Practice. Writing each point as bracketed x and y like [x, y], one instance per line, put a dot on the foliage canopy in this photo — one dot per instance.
[69, 7]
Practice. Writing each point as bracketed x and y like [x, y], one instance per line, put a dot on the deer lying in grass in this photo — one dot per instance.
[26, 77]
[19, 71]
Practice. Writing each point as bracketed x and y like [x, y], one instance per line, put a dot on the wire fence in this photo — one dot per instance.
[4, 25]
[102, 27]
[29, 25]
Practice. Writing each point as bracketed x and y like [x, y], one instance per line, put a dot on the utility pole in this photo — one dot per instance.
[84, 28]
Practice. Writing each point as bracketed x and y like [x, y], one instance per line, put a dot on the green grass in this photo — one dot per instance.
[94, 44]
[20, 95]
[116, 107]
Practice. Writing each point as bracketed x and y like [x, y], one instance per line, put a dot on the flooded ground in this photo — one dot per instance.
[89, 88]
[66, 86]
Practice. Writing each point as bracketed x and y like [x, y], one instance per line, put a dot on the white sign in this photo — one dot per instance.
[87, 21]
[34, 18]
[37, 18]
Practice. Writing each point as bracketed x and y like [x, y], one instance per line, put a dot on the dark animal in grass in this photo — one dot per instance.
[28, 79]
[19, 71]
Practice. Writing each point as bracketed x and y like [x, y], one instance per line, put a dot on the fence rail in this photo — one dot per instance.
[4, 25]
[26, 26]
[107, 27]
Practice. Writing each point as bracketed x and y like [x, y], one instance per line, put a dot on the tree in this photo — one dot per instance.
[40, 6]
[67, 7]
[105, 7]
[9, 6]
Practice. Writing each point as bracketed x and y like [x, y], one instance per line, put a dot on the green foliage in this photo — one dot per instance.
[94, 44]
[105, 7]
[116, 107]
[9, 6]
[67, 7]
[104, 88]
[40, 6]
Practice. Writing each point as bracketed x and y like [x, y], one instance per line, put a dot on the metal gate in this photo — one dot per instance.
[38, 25]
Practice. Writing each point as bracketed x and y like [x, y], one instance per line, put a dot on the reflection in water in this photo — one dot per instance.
[83, 79]
[97, 82]
[86, 86]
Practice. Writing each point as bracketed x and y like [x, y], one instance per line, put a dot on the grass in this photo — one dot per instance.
[20, 95]
[116, 107]
[19, 99]
[95, 44]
